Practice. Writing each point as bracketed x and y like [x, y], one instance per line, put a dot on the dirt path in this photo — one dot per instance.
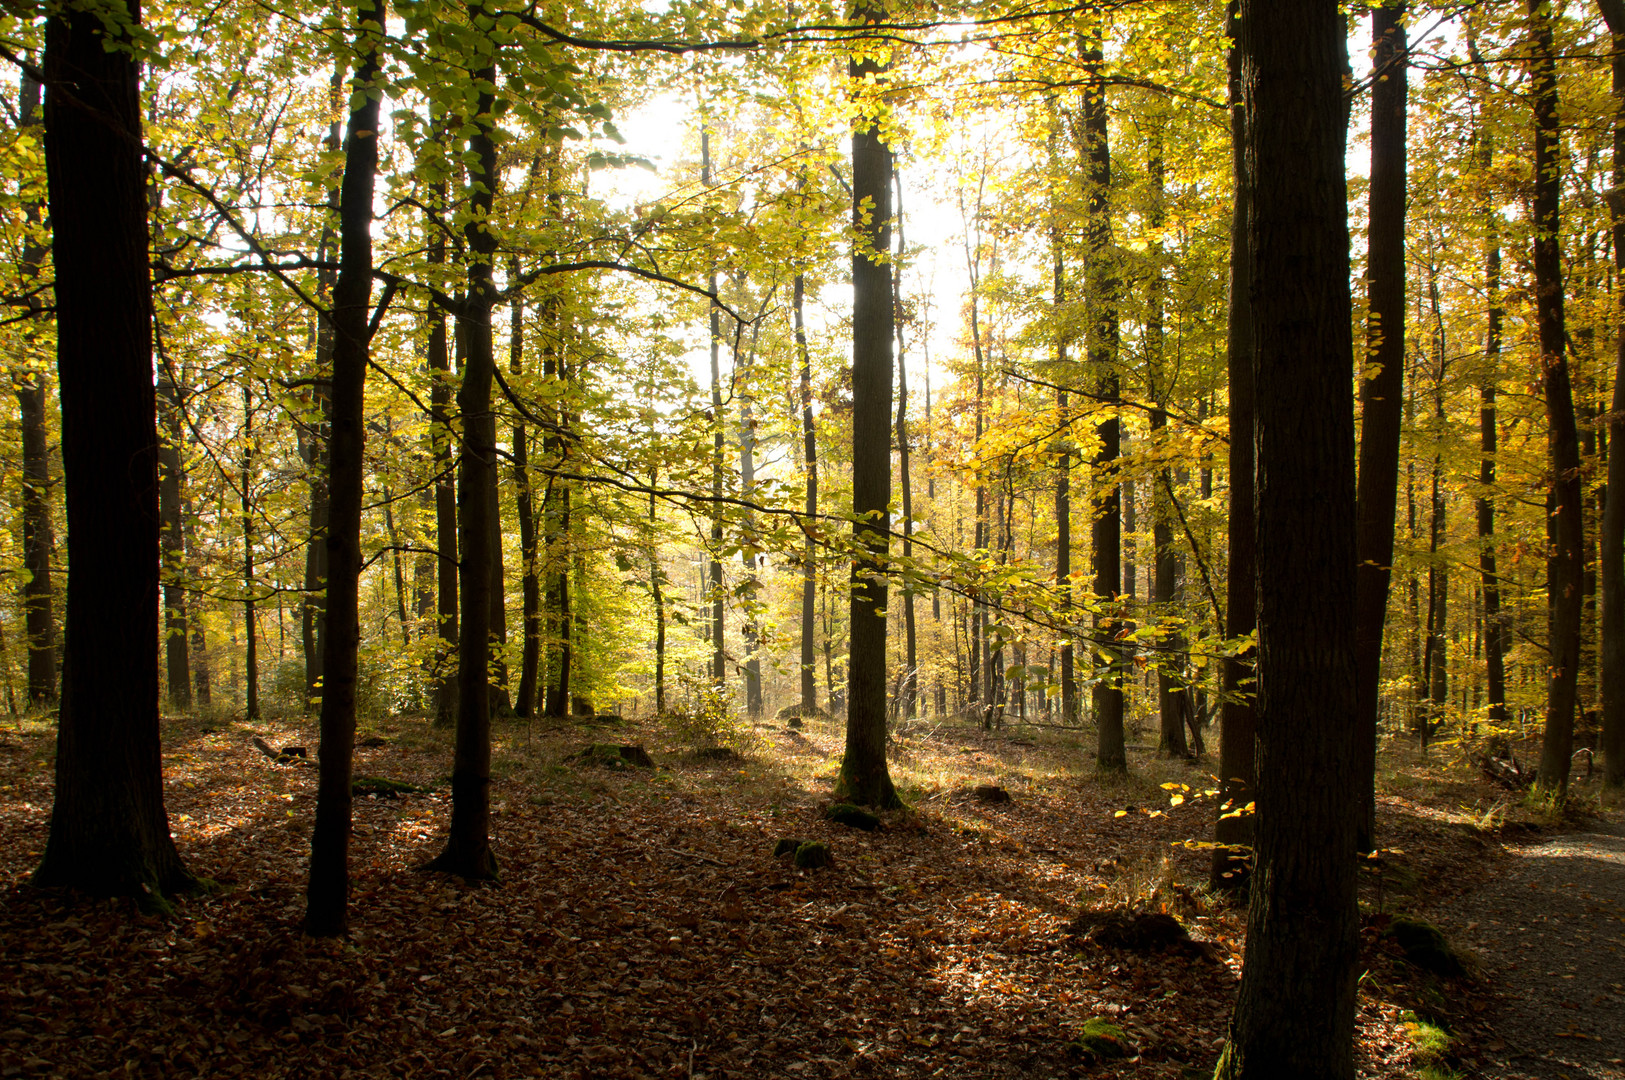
[1551, 935]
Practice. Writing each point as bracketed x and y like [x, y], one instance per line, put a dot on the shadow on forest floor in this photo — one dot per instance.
[643, 927]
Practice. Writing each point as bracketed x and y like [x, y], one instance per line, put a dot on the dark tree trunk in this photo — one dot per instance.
[809, 568]
[327, 897]
[719, 626]
[1294, 1013]
[1233, 831]
[28, 382]
[530, 572]
[864, 777]
[251, 658]
[109, 831]
[1565, 525]
[1106, 533]
[501, 704]
[177, 666]
[1382, 397]
[1613, 515]
[468, 847]
[202, 681]
[445, 492]
[1063, 499]
[911, 675]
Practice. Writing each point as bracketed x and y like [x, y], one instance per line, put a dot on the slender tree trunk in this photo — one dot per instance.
[809, 567]
[327, 896]
[911, 675]
[530, 571]
[177, 666]
[109, 831]
[202, 681]
[446, 662]
[1106, 532]
[864, 777]
[1233, 831]
[1613, 515]
[251, 659]
[719, 627]
[1382, 397]
[468, 848]
[1295, 1008]
[1063, 498]
[1565, 571]
[28, 382]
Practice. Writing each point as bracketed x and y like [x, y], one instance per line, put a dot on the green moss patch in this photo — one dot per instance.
[1425, 946]
[812, 855]
[786, 846]
[610, 756]
[1101, 1040]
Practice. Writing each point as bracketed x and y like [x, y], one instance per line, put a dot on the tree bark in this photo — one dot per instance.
[109, 831]
[719, 626]
[1063, 498]
[445, 492]
[530, 571]
[28, 383]
[911, 675]
[1382, 400]
[809, 567]
[327, 896]
[1613, 516]
[1565, 525]
[1294, 1013]
[1233, 830]
[468, 847]
[864, 777]
[1106, 533]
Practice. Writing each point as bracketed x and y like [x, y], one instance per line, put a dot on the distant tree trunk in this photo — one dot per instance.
[1106, 532]
[719, 627]
[1063, 499]
[251, 659]
[1565, 525]
[1382, 397]
[911, 676]
[445, 491]
[751, 629]
[809, 568]
[501, 703]
[530, 572]
[28, 383]
[109, 832]
[1233, 831]
[202, 682]
[1613, 516]
[864, 777]
[468, 848]
[1294, 1013]
[657, 575]
[327, 896]
[172, 540]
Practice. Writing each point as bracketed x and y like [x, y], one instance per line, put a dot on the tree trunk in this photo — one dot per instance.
[251, 659]
[1106, 534]
[1063, 499]
[445, 493]
[468, 848]
[864, 777]
[109, 831]
[1294, 1013]
[1565, 525]
[1233, 831]
[28, 382]
[809, 568]
[1382, 397]
[911, 675]
[1613, 516]
[327, 896]
[719, 627]
[530, 572]
[177, 667]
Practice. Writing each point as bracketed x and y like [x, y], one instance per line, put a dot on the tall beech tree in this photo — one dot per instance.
[1612, 559]
[326, 911]
[109, 830]
[1382, 400]
[1294, 1013]
[1565, 521]
[864, 777]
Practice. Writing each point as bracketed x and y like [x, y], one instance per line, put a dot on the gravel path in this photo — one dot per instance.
[1551, 935]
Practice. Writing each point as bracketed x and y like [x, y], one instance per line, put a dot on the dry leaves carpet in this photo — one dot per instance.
[643, 928]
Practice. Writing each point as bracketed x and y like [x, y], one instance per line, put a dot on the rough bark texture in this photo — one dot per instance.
[109, 831]
[468, 847]
[327, 896]
[1382, 401]
[1613, 516]
[1233, 831]
[1295, 1007]
[864, 777]
[1565, 528]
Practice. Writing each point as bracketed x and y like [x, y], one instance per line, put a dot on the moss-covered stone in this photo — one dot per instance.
[1425, 946]
[1100, 1039]
[786, 846]
[382, 786]
[812, 855]
[610, 756]
[855, 817]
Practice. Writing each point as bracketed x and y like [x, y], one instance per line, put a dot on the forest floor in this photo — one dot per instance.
[644, 928]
